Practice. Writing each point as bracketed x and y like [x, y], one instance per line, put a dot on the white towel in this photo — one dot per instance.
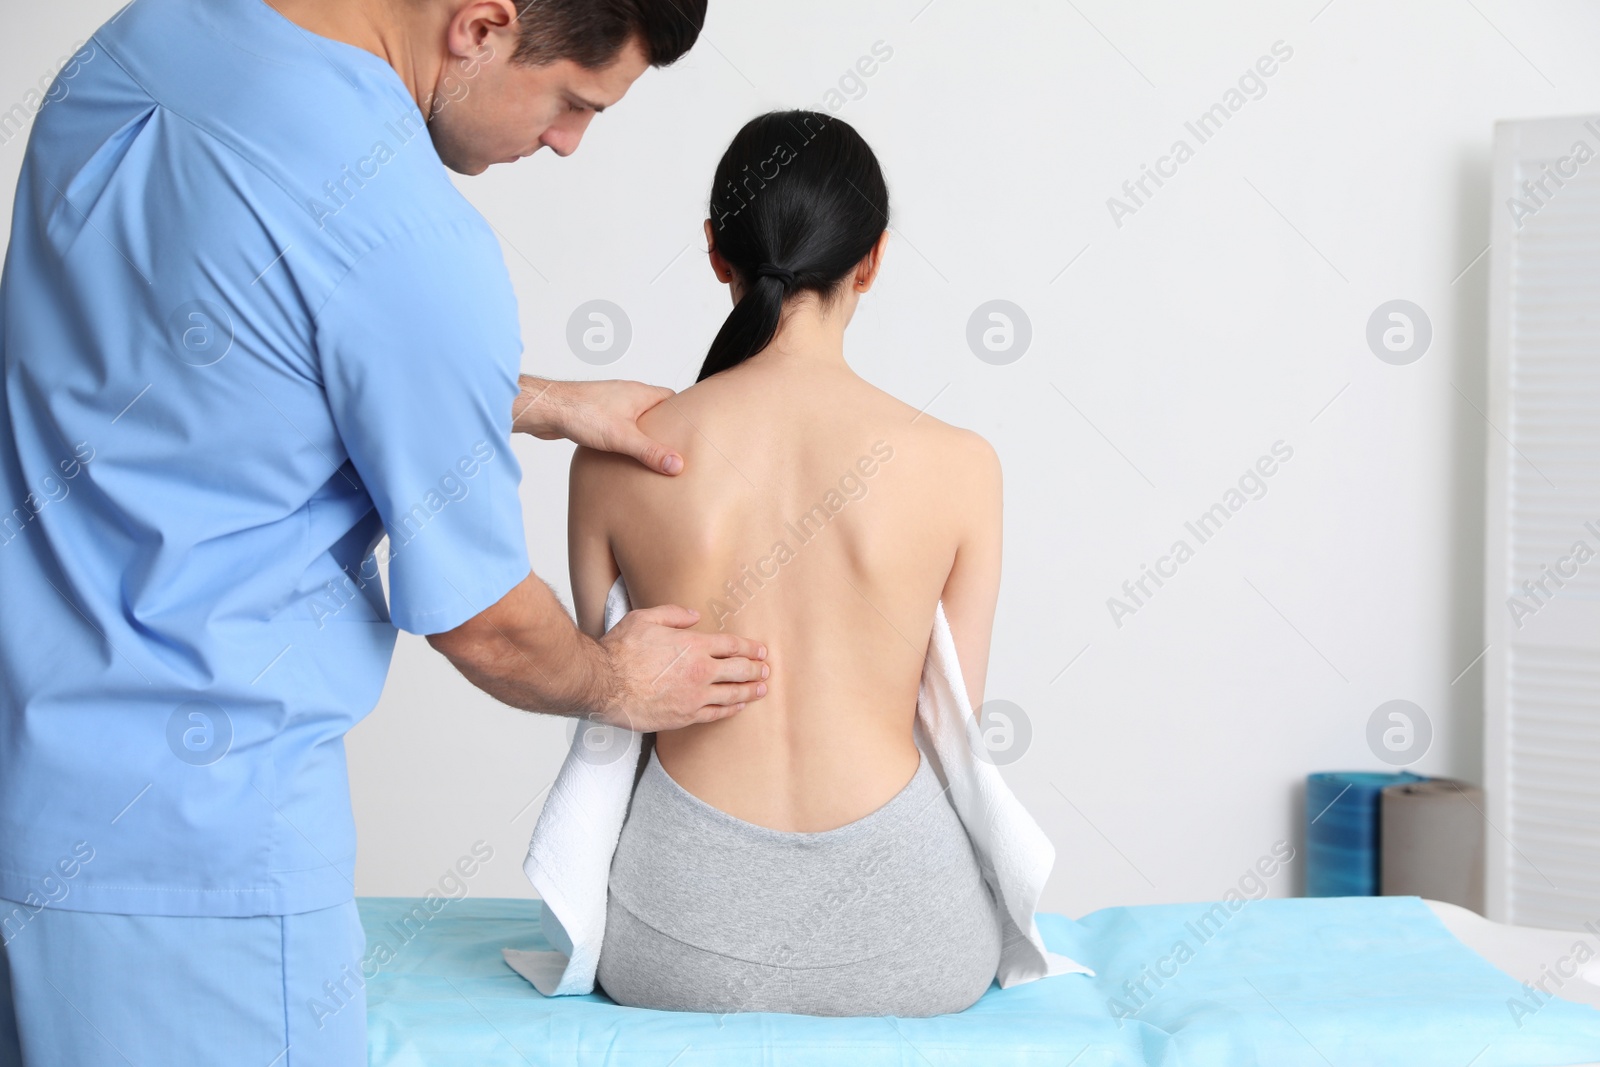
[569, 857]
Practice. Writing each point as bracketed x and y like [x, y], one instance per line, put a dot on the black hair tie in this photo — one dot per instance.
[767, 270]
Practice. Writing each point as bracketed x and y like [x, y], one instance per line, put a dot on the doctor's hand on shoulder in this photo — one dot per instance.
[600, 415]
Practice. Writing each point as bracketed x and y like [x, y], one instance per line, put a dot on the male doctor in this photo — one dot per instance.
[250, 328]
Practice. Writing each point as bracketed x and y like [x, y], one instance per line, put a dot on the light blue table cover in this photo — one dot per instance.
[1332, 982]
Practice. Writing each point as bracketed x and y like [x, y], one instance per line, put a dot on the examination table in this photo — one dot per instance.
[1335, 982]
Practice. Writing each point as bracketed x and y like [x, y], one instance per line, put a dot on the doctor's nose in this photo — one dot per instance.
[563, 138]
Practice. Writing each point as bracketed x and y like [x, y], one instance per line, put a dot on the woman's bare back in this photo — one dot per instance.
[827, 519]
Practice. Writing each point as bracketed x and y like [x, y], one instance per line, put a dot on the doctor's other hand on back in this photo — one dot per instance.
[249, 330]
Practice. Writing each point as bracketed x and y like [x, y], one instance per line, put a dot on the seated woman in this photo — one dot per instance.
[801, 855]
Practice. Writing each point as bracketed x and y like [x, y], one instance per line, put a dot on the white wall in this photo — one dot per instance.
[1228, 312]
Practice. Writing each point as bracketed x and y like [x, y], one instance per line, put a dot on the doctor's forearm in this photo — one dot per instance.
[649, 672]
[541, 408]
[526, 652]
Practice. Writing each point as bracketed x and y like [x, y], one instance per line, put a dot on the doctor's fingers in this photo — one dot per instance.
[729, 696]
[734, 669]
[731, 646]
[713, 712]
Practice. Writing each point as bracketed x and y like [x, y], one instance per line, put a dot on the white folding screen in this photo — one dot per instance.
[1542, 587]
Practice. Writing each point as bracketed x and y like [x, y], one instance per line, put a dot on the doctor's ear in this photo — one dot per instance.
[719, 266]
[477, 28]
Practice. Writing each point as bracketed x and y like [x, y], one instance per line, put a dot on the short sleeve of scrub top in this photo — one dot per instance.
[421, 382]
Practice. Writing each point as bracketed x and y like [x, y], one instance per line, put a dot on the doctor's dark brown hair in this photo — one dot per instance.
[592, 32]
[797, 203]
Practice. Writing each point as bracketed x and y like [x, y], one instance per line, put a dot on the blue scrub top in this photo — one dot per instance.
[249, 327]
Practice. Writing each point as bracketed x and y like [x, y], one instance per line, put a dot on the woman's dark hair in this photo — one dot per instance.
[591, 33]
[798, 201]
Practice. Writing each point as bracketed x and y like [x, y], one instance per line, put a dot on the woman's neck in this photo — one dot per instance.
[808, 336]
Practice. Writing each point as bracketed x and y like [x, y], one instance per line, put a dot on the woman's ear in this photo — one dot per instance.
[867, 269]
[719, 266]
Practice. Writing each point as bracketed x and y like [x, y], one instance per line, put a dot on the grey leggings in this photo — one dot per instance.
[888, 915]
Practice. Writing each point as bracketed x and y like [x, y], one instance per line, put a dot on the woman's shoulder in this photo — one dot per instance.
[671, 423]
[956, 448]
[605, 481]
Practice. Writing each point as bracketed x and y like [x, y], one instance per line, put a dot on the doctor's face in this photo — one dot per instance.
[488, 109]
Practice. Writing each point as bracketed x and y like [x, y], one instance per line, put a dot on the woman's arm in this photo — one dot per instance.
[592, 567]
[973, 587]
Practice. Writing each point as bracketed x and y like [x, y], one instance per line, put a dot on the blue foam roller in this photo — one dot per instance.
[1342, 831]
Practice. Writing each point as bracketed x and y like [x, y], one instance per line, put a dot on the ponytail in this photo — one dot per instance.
[748, 329]
[798, 201]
